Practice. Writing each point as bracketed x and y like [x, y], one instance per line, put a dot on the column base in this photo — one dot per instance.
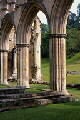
[5, 83]
[14, 76]
[36, 80]
[25, 84]
[65, 92]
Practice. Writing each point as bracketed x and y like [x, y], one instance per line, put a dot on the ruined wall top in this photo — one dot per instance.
[12, 5]
[51, 8]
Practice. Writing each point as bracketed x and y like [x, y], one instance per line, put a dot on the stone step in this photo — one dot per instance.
[33, 100]
[4, 91]
[11, 104]
[30, 95]
[15, 96]
[26, 99]
[25, 95]
[16, 102]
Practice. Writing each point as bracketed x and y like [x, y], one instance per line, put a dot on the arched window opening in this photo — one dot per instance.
[12, 57]
[39, 51]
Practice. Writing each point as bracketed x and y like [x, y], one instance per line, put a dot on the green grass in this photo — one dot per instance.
[37, 88]
[74, 60]
[11, 84]
[73, 64]
[4, 86]
[45, 70]
[67, 111]
[74, 92]
[73, 79]
[73, 67]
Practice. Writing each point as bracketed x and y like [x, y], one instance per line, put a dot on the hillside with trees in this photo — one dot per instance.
[73, 36]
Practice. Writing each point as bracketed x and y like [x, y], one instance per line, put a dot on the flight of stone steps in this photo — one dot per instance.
[13, 98]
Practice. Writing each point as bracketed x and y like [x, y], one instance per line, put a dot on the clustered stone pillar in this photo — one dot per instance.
[31, 58]
[58, 63]
[23, 64]
[14, 75]
[4, 67]
[37, 48]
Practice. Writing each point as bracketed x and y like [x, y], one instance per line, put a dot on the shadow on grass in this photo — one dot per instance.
[67, 111]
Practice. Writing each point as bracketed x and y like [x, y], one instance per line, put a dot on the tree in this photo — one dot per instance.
[45, 41]
[78, 11]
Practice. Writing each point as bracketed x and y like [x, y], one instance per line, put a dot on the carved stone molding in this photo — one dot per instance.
[57, 35]
[1, 50]
[21, 45]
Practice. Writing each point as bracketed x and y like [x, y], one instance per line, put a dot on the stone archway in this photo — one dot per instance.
[23, 42]
[7, 25]
[56, 13]
[57, 21]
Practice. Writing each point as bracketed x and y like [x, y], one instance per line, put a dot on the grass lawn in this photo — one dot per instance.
[73, 79]
[73, 64]
[74, 60]
[11, 84]
[37, 88]
[74, 92]
[4, 86]
[45, 70]
[67, 111]
[73, 67]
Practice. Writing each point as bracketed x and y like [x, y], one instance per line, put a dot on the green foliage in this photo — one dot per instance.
[45, 41]
[74, 59]
[73, 41]
[78, 9]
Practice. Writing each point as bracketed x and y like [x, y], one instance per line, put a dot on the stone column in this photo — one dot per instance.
[58, 62]
[37, 56]
[4, 67]
[23, 64]
[14, 75]
[31, 60]
[37, 48]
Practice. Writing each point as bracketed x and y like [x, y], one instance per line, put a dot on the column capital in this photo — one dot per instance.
[22, 45]
[58, 35]
[1, 50]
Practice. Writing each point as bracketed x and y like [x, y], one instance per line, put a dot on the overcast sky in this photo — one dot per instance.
[73, 9]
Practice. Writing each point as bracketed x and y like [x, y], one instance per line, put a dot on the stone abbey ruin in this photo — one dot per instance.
[20, 41]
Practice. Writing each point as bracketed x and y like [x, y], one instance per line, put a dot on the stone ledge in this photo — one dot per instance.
[32, 99]
[12, 90]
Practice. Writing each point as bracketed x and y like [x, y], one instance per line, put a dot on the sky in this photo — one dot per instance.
[73, 9]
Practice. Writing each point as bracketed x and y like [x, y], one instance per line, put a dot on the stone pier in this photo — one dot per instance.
[4, 67]
[23, 65]
[14, 75]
